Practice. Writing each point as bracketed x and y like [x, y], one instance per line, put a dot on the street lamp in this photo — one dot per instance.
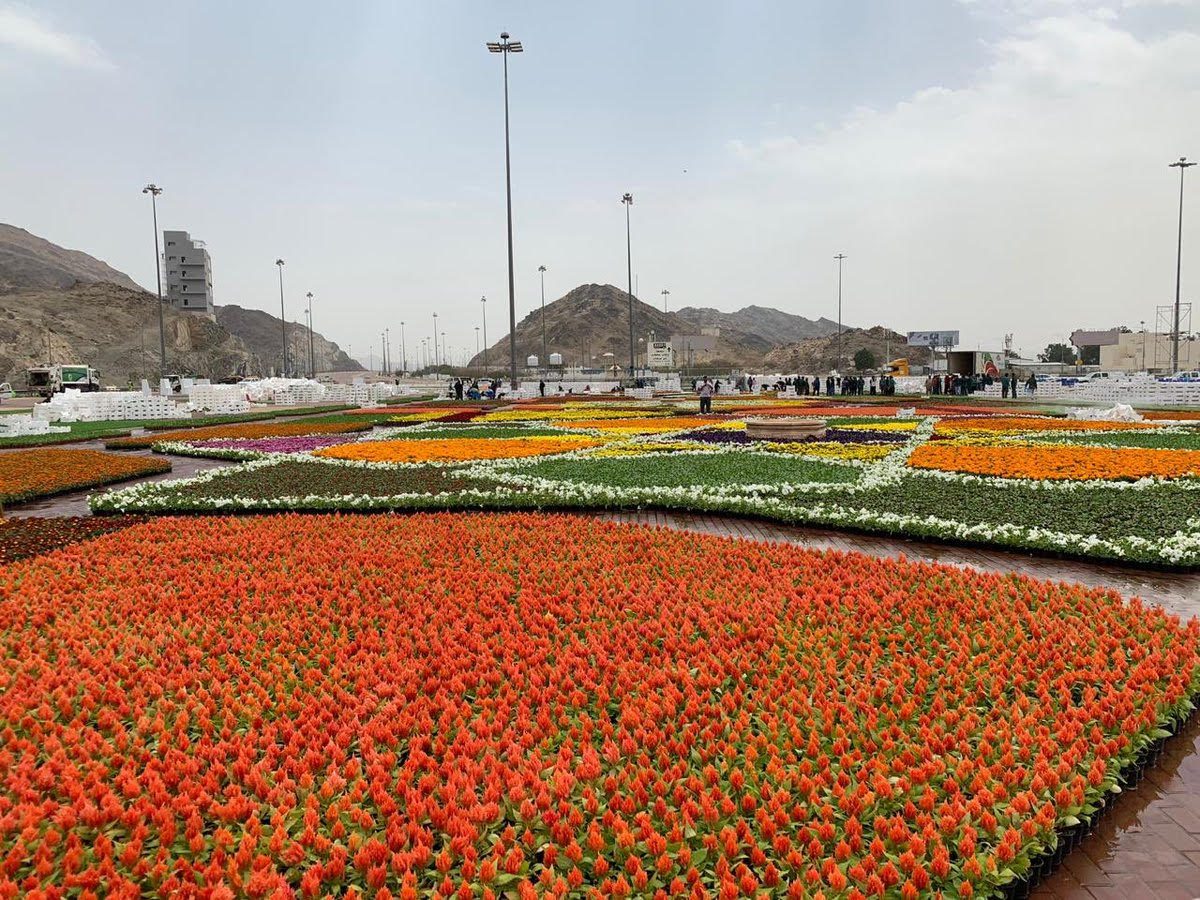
[665, 292]
[387, 350]
[483, 306]
[1182, 164]
[542, 271]
[282, 318]
[312, 360]
[627, 199]
[839, 258]
[154, 190]
[403, 350]
[435, 348]
[504, 47]
[476, 340]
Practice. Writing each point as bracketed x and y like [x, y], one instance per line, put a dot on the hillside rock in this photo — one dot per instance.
[260, 332]
[771, 325]
[593, 319]
[28, 262]
[114, 329]
[817, 356]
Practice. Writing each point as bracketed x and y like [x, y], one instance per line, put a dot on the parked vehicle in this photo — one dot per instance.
[54, 379]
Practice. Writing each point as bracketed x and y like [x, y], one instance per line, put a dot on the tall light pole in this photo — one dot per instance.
[445, 360]
[308, 322]
[504, 47]
[839, 258]
[476, 340]
[387, 355]
[483, 304]
[435, 347]
[154, 190]
[312, 360]
[627, 199]
[542, 271]
[1181, 165]
[282, 318]
[1143, 323]
[665, 294]
[403, 349]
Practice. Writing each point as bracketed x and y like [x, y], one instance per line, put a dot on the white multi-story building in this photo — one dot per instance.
[188, 273]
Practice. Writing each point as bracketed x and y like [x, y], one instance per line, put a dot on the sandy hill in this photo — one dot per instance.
[28, 262]
[593, 319]
[65, 306]
[816, 356]
[772, 325]
[260, 331]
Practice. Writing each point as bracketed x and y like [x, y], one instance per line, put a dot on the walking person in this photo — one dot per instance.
[706, 394]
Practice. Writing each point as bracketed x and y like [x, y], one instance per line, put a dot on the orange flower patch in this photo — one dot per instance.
[418, 706]
[1027, 423]
[1181, 415]
[457, 449]
[26, 474]
[251, 430]
[1048, 461]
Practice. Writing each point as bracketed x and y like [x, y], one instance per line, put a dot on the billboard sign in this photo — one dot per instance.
[933, 339]
[1108, 338]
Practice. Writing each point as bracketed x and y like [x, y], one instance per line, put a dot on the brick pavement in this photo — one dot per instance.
[1148, 844]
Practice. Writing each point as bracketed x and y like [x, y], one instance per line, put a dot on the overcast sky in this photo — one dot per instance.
[988, 166]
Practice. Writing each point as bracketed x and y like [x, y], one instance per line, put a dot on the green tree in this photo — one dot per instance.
[1058, 353]
[864, 359]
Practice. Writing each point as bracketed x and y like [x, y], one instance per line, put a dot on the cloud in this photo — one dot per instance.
[21, 29]
[1038, 189]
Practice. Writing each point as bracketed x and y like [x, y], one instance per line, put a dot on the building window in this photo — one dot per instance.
[170, 243]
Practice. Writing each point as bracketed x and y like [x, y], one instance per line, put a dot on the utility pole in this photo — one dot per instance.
[483, 304]
[154, 190]
[403, 349]
[545, 359]
[1182, 165]
[282, 319]
[627, 199]
[839, 258]
[504, 47]
[312, 360]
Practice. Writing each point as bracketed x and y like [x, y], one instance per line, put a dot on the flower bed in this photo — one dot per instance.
[435, 703]
[34, 535]
[302, 443]
[1055, 463]
[992, 424]
[257, 430]
[29, 474]
[457, 449]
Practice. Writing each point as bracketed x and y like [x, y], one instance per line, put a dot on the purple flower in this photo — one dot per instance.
[834, 435]
[294, 444]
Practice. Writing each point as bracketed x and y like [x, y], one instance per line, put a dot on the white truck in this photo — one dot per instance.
[54, 379]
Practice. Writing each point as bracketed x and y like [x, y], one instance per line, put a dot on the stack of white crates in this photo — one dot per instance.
[218, 399]
[76, 406]
[22, 425]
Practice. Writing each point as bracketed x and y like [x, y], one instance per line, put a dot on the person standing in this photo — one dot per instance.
[706, 393]
[542, 388]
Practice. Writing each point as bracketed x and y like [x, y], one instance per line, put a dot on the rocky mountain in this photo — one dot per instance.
[65, 306]
[772, 325]
[820, 355]
[28, 262]
[260, 332]
[114, 329]
[593, 320]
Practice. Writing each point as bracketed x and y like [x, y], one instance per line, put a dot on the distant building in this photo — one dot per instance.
[188, 272]
[1139, 351]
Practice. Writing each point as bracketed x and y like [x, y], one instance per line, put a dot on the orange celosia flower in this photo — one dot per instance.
[248, 430]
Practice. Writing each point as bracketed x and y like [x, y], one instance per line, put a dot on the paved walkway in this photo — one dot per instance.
[1148, 845]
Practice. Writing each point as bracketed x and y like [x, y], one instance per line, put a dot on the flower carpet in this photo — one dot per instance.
[435, 705]
[961, 473]
[30, 474]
